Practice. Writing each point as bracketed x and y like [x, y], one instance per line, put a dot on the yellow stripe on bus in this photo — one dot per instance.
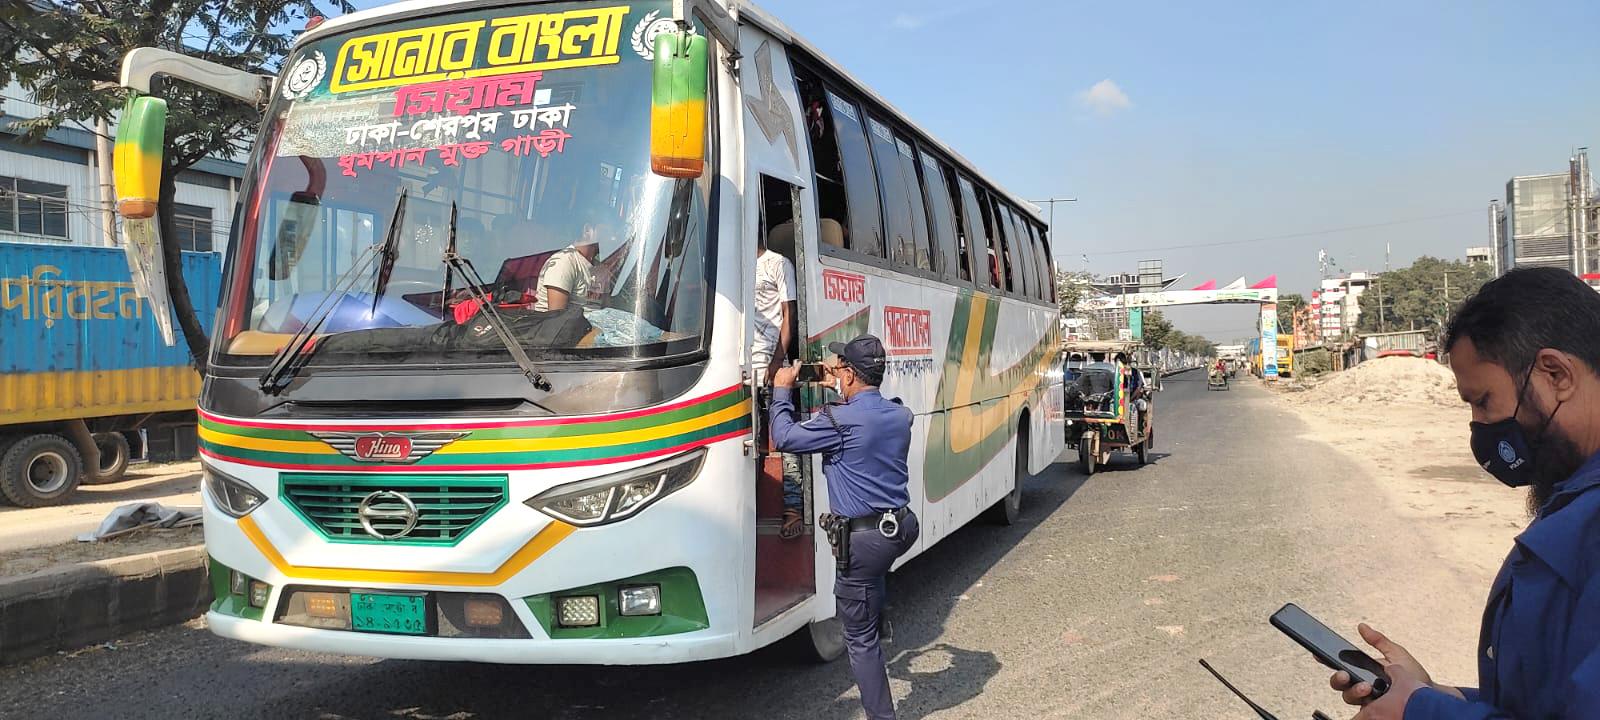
[536, 546]
[574, 442]
[244, 442]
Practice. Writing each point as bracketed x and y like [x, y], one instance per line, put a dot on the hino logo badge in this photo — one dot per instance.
[386, 507]
[388, 447]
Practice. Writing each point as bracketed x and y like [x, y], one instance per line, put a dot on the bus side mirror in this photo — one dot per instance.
[141, 135]
[678, 106]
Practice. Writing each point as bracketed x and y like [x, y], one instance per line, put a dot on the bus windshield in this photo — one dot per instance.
[523, 133]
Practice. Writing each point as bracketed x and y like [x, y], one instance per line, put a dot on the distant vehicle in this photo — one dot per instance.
[83, 368]
[1102, 409]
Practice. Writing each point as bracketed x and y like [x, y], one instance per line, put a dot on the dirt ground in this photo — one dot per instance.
[34, 559]
[1401, 419]
[32, 539]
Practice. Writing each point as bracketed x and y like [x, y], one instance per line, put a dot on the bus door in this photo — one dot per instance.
[785, 573]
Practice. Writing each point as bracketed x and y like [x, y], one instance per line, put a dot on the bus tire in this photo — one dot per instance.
[1009, 508]
[114, 456]
[40, 470]
[821, 641]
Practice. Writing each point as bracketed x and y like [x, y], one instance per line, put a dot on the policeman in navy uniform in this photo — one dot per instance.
[864, 441]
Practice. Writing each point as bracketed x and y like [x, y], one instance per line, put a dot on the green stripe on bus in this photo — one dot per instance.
[573, 429]
[533, 457]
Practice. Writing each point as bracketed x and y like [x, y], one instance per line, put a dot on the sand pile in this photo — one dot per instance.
[1399, 380]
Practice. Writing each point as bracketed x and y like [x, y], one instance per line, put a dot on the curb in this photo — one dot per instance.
[69, 607]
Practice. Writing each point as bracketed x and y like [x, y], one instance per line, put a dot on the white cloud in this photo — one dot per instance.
[1105, 98]
[919, 20]
[907, 21]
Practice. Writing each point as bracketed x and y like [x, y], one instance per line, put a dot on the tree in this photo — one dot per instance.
[1157, 329]
[1421, 297]
[65, 52]
[1288, 305]
[1071, 288]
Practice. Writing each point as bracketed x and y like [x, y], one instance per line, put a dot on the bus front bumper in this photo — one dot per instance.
[688, 647]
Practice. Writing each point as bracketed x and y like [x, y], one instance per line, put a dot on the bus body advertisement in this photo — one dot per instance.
[387, 475]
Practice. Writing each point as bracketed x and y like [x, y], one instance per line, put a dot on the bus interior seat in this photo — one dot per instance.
[781, 239]
[832, 233]
[521, 273]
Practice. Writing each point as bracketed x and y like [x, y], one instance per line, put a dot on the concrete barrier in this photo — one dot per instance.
[78, 605]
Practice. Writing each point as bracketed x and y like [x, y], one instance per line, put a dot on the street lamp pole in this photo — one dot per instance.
[1052, 203]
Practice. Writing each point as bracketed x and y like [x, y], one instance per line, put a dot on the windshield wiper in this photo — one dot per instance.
[474, 285]
[297, 351]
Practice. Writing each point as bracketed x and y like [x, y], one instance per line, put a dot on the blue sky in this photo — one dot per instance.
[1185, 123]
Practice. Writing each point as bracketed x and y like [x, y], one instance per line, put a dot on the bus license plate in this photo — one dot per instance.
[399, 614]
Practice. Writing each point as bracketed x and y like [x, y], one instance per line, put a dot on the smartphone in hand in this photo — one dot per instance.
[1330, 648]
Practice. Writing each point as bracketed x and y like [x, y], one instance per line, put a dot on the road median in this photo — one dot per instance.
[73, 606]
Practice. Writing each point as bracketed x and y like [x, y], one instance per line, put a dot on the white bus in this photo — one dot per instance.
[412, 452]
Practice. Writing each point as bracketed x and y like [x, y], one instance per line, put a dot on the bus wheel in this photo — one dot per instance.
[40, 470]
[114, 456]
[1009, 508]
[821, 641]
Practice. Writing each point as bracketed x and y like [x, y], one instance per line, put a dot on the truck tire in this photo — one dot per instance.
[114, 455]
[40, 470]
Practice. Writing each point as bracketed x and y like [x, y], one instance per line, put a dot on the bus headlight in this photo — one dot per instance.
[233, 496]
[607, 499]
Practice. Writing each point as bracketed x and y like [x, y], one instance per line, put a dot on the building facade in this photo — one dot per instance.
[1549, 220]
[1336, 305]
[50, 190]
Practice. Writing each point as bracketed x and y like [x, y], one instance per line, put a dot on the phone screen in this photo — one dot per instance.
[1329, 647]
[810, 373]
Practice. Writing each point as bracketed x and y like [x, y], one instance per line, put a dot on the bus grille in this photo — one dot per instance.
[448, 507]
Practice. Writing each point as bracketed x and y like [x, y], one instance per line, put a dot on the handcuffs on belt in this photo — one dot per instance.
[838, 528]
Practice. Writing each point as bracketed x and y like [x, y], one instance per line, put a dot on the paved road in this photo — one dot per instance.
[1095, 606]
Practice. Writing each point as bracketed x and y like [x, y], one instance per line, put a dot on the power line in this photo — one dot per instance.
[1290, 236]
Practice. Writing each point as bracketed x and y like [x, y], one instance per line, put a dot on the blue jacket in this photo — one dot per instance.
[864, 458]
[1539, 650]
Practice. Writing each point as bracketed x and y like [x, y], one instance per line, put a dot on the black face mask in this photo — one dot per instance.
[1503, 449]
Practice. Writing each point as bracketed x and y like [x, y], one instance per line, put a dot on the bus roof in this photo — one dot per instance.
[742, 9]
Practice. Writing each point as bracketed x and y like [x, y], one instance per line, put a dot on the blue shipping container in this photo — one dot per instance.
[77, 342]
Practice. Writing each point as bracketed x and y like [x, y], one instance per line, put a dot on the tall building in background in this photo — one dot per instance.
[1149, 279]
[1336, 305]
[1549, 221]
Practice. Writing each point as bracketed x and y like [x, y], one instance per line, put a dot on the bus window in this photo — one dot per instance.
[832, 202]
[985, 271]
[864, 234]
[899, 224]
[994, 222]
[942, 221]
[1041, 255]
[1021, 251]
[919, 214]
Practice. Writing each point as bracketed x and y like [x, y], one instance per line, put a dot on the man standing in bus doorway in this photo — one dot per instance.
[774, 318]
[864, 442]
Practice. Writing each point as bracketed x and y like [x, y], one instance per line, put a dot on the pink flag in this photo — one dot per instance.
[1207, 285]
[1270, 282]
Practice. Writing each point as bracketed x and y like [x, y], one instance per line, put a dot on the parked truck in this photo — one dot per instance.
[83, 367]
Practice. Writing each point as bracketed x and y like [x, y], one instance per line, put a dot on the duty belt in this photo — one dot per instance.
[877, 521]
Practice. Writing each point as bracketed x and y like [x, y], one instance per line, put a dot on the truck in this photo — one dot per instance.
[83, 367]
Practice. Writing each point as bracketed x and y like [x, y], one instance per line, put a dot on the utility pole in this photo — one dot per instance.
[102, 165]
[1052, 203]
[1383, 322]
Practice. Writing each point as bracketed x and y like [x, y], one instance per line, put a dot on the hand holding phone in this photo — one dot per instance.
[1330, 649]
[810, 373]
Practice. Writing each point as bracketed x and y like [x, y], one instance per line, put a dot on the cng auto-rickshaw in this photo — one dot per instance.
[1109, 405]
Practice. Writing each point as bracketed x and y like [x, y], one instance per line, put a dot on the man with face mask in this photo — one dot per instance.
[1526, 355]
[864, 442]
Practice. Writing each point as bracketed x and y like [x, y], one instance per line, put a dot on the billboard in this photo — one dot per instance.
[1269, 341]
